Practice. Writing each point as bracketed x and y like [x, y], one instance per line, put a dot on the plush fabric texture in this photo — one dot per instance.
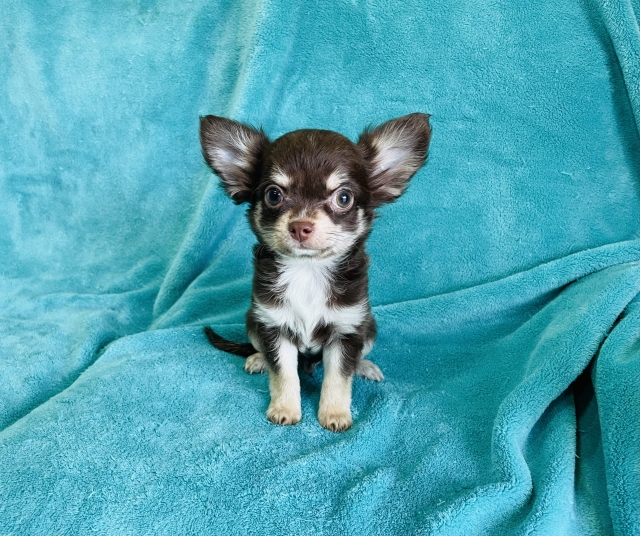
[505, 281]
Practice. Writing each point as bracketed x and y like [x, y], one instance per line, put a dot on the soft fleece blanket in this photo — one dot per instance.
[504, 281]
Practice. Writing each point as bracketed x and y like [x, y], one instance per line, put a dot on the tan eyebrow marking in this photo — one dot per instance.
[280, 178]
[336, 178]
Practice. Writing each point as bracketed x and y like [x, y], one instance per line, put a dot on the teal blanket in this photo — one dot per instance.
[505, 281]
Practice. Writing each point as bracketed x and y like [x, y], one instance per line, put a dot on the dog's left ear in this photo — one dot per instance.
[394, 152]
[234, 151]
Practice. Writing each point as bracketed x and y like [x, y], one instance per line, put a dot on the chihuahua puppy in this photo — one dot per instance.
[312, 197]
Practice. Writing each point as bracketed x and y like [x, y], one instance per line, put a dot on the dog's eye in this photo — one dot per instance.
[273, 196]
[342, 199]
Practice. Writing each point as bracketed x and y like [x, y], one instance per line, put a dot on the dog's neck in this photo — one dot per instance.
[345, 277]
[306, 295]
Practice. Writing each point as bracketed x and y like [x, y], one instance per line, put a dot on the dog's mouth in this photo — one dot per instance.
[299, 250]
[306, 250]
[303, 250]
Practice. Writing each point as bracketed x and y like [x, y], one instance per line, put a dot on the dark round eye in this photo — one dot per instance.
[343, 199]
[273, 196]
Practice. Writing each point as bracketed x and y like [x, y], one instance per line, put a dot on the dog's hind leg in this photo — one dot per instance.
[256, 364]
[368, 369]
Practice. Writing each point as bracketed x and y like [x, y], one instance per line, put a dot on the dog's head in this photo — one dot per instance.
[314, 192]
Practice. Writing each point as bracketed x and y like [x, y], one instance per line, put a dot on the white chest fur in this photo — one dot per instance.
[306, 289]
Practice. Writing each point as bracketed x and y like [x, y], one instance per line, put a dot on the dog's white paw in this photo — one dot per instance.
[255, 364]
[369, 370]
[335, 421]
[284, 415]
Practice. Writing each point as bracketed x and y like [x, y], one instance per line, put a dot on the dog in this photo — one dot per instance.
[312, 197]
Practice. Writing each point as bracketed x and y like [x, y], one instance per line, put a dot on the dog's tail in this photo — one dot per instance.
[238, 348]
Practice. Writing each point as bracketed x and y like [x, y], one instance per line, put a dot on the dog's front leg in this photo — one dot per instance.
[284, 383]
[339, 361]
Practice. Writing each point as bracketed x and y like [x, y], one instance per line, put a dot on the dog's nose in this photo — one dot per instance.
[301, 230]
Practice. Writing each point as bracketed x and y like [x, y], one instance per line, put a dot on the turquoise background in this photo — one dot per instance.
[504, 281]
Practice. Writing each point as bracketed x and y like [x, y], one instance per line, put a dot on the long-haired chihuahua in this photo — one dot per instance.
[312, 197]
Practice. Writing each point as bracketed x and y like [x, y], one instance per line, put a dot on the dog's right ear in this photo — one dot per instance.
[233, 150]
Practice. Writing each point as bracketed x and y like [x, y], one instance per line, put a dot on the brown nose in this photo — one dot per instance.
[301, 230]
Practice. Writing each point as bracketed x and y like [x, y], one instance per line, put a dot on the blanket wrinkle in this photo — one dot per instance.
[515, 418]
[619, 361]
[622, 23]
[201, 243]
[595, 259]
[120, 315]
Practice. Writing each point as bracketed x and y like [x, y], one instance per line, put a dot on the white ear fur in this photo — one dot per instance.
[394, 152]
[233, 150]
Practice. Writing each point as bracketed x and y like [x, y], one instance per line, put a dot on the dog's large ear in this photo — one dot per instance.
[393, 152]
[233, 150]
